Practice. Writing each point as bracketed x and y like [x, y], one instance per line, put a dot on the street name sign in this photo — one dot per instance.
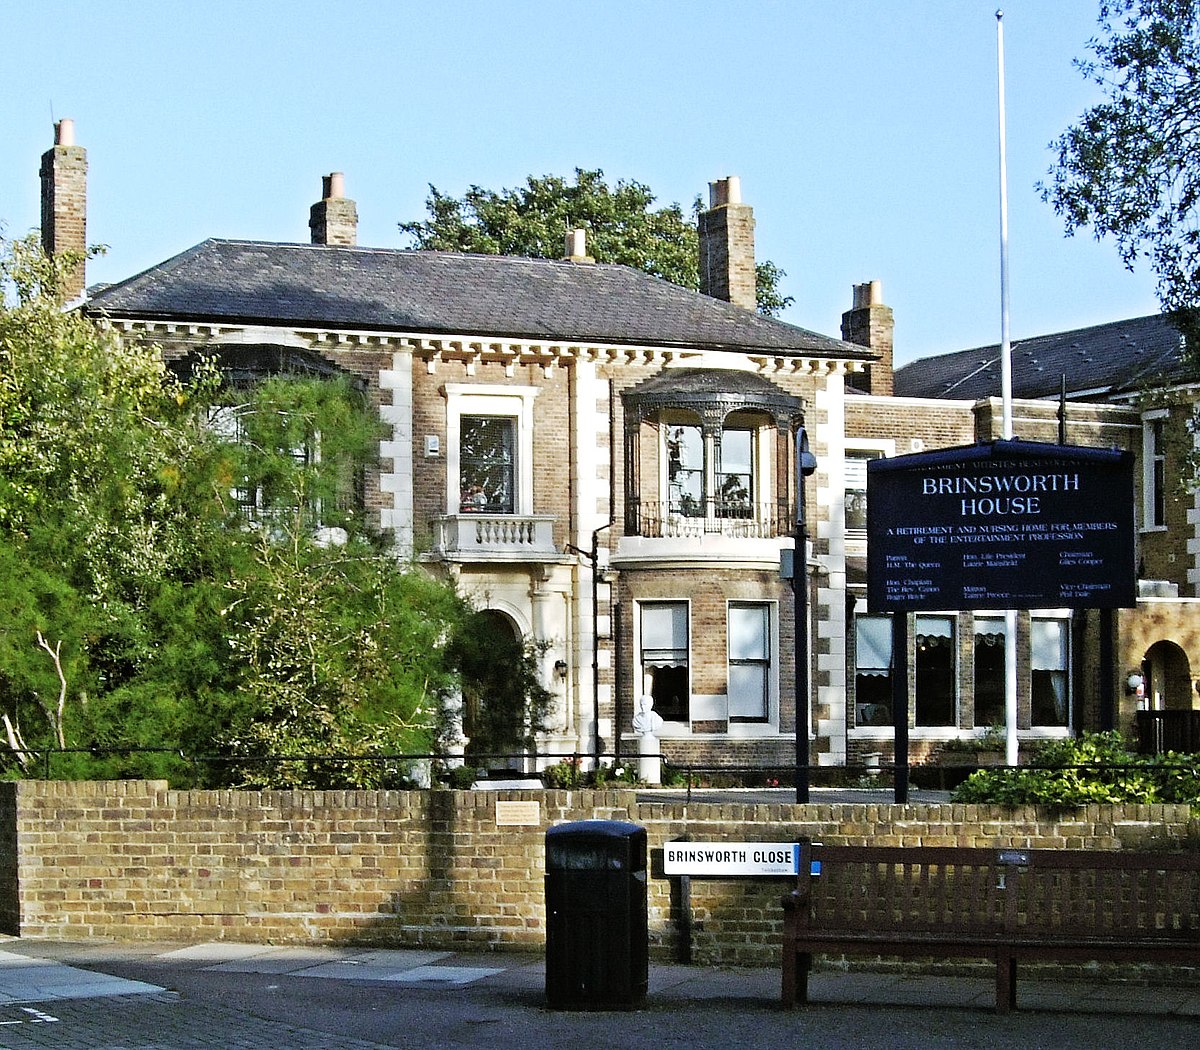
[731, 858]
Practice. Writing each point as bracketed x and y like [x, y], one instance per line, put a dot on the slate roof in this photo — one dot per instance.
[1100, 363]
[377, 289]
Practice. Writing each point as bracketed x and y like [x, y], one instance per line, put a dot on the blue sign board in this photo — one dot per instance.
[1001, 525]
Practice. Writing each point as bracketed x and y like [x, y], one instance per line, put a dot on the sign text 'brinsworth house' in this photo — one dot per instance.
[1002, 525]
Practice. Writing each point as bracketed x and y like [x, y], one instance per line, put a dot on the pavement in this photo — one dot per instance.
[92, 995]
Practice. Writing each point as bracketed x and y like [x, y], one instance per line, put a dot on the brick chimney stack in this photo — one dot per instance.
[64, 204]
[727, 245]
[869, 323]
[333, 219]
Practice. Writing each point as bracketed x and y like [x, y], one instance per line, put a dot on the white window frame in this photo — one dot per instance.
[861, 449]
[864, 719]
[672, 726]
[477, 399]
[1063, 617]
[1150, 482]
[771, 643]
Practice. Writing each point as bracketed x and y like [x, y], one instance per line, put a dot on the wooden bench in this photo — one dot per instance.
[1001, 905]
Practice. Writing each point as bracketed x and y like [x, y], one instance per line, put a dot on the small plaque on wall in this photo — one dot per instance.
[518, 813]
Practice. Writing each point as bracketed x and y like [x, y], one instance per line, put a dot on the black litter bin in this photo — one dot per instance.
[597, 952]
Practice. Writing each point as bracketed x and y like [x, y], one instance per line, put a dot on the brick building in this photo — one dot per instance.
[1125, 384]
[607, 463]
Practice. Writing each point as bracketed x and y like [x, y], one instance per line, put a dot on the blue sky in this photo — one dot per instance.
[864, 131]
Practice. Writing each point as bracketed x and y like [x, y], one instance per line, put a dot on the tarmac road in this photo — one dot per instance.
[75, 996]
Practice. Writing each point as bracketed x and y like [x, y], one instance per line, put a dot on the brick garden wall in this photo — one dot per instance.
[134, 860]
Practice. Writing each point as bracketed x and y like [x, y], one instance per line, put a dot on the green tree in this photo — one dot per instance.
[623, 227]
[294, 453]
[145, 603]
[1128, 167]
[96, 503]
[95, 435]
[341, 652]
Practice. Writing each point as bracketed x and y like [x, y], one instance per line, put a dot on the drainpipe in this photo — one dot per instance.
[593, 557]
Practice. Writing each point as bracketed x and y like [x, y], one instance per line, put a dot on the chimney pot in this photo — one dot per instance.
[725, 191]
[867, 294]
[334, 185]
[64, 132]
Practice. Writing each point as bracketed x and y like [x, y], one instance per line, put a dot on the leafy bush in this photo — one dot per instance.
[603, 776]
[569, 774]
[564, 775]
[1098, 767]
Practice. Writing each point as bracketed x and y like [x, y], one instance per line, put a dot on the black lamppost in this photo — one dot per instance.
[806, 463]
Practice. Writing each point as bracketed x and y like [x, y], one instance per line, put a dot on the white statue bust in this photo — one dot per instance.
[647, 720]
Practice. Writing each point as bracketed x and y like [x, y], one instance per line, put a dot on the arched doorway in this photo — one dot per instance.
[503, 702]
[1168, 678]
[1167, 721]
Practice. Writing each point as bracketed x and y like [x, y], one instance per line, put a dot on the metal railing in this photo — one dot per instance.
[555, 769]
[1161, 731]
[658, 519]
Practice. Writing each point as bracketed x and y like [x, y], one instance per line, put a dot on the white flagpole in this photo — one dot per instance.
[1011, 750]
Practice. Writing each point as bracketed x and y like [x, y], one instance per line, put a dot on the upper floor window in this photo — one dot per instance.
[1154, 470]
[295, 452]
[685, 471]
[735, 473]
[711, 477]
[489, 448]
[855, 486]
[487, 461]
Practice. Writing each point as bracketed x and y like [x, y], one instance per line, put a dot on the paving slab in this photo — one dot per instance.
[378, 965]
[25, 980]
[457, 975]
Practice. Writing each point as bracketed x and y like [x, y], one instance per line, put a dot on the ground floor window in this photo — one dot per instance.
[749, 682]
[664, 646]
[989, 670]
[935, 671]
[873, 670]
[1049, 666]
